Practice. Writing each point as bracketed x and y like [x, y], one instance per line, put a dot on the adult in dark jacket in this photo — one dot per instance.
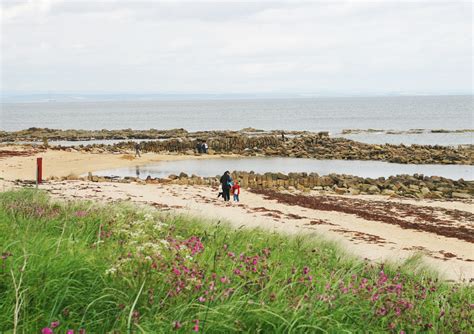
[225, 182]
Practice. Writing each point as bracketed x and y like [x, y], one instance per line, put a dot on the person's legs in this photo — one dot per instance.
[226, 194]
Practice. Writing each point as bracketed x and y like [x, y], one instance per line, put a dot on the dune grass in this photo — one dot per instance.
[120, 268]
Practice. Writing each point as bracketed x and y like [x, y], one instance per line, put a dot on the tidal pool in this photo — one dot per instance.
[213, 167]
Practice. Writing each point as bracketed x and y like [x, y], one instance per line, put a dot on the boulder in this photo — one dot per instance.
[460, 195]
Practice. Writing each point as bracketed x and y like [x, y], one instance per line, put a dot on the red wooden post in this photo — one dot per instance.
[39, 170]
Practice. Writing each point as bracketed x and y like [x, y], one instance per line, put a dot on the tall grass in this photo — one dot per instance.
[120, 268]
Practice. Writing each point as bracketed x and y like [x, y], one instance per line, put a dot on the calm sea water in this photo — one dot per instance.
[314, 114]
[213, 167]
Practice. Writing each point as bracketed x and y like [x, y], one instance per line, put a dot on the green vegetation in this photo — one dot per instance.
[98, 269]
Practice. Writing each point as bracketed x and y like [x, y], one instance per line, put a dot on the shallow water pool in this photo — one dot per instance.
[213, 167]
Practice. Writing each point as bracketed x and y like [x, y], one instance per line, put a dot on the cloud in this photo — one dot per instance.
[289, 46]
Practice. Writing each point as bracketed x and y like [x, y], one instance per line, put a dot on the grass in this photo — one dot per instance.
[120, 268]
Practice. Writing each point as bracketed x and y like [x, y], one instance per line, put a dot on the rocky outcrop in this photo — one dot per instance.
[411, 186]
[251, 142]
[315, 146]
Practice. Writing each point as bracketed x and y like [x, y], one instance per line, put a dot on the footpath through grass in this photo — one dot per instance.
[119, 268]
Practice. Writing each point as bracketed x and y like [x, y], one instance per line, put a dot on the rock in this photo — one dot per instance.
[373, 190]
[414, 187]
[340, 191]
[425, 191]
[354, 191]
[460, 195]
[388, 192]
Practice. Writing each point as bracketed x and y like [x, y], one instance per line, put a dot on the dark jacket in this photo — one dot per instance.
[225, 179]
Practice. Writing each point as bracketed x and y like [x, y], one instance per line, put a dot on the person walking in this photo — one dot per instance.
[137, 150]
[226, 182]
[235, 190]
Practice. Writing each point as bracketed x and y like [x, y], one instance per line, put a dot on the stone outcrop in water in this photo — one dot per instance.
[315, 146]
[251, 142]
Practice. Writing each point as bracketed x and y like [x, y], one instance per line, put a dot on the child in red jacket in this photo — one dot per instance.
[236, 191]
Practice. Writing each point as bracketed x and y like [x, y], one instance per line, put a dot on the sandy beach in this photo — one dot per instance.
[426, 228]
[63, 163]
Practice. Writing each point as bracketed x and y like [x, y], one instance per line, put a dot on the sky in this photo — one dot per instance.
[177, 47]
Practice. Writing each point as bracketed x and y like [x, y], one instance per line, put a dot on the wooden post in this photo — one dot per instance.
[39, 171]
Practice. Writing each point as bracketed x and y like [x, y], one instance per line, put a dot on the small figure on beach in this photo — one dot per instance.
[226, 183]
[199, 147]
[283, 135]
[236, 191]
[204, 147]
[137, 150]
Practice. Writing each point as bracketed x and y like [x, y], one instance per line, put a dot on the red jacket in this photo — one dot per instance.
[234, 188]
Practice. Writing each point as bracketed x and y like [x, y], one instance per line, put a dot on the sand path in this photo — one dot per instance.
[452, 257]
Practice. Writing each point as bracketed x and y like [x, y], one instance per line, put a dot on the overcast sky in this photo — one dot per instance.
[353, 47]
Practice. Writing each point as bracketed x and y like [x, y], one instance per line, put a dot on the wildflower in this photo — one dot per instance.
[305, 270]
[237, 272]
[177, 325]
[176, 271]
[375, 297]
[201, 299]
[402, 332]
[46, 330]
[196, 325]
[55, 324]
[70, 331]
[82, 331]
[224, 279]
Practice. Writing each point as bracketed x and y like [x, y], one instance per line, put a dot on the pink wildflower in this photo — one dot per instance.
[201, 299]
[54, 324]
[70, 331]
[196, 325]
[237, 271]
[305, 270]
[46, 330]
[177, 325]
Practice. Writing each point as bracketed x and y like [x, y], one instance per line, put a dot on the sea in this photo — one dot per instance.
[333, 114]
